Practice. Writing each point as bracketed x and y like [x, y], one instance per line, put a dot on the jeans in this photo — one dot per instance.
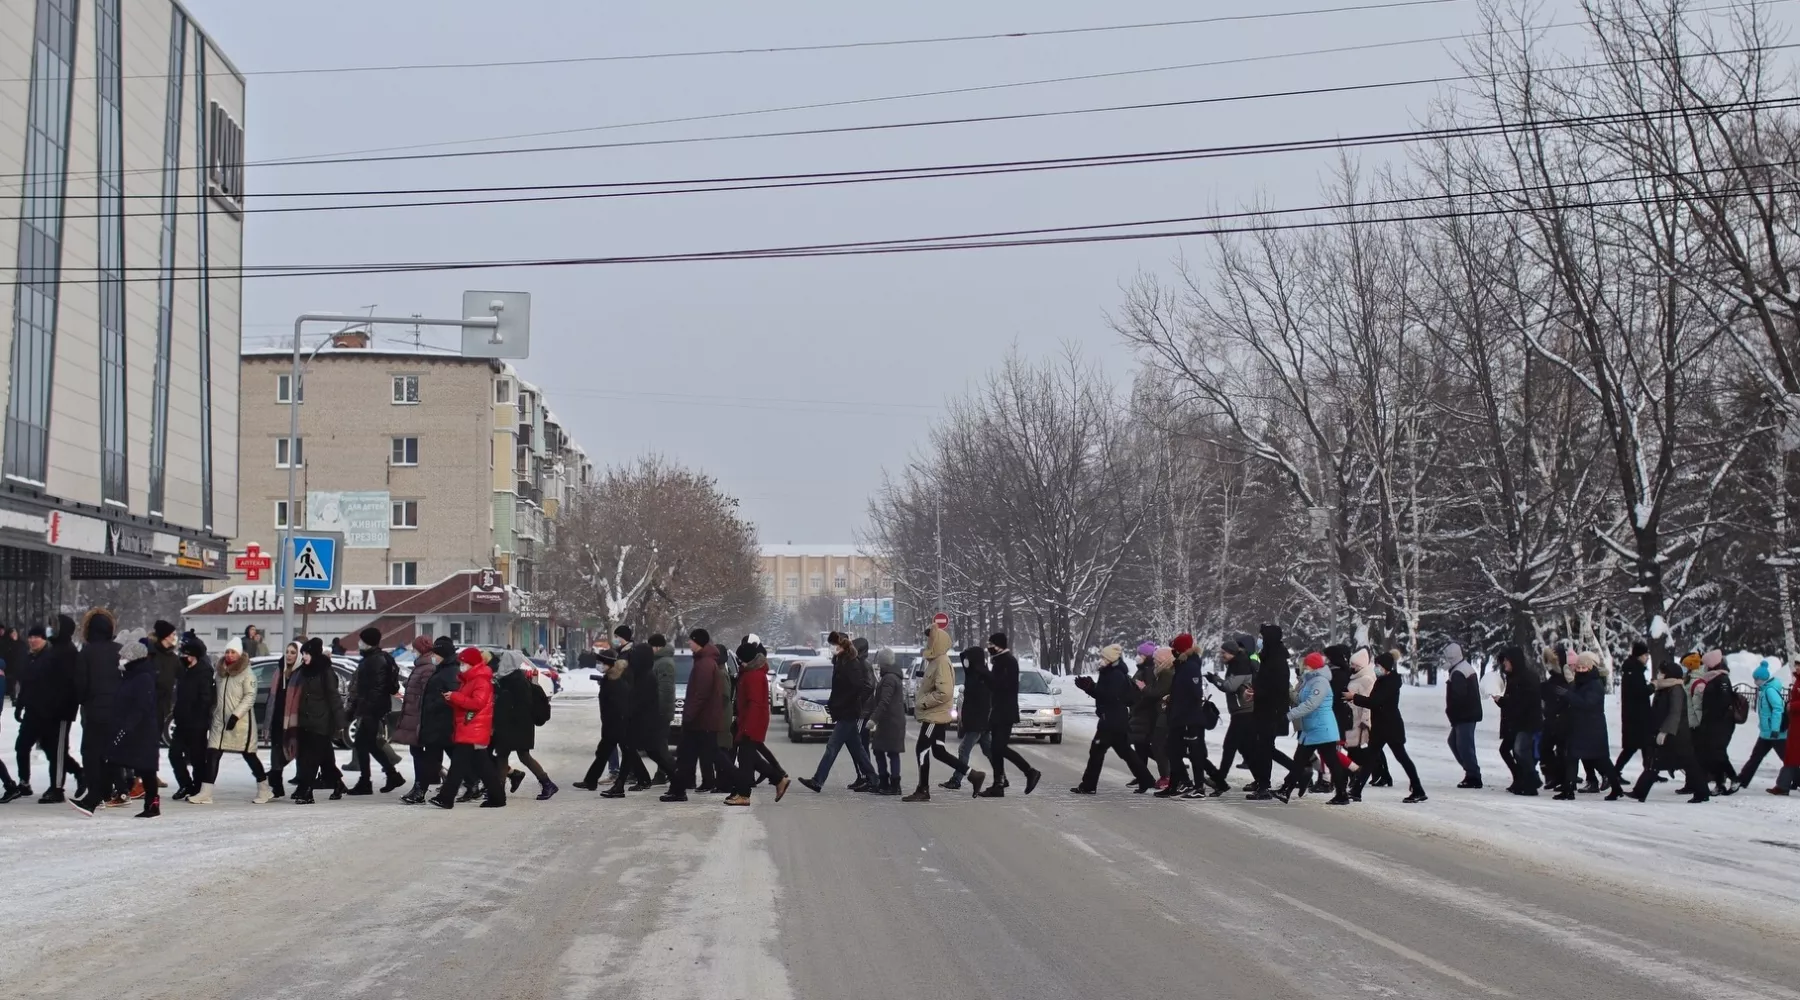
[1524, 762]
[1462, 747]
[887, 766]
[844, 732]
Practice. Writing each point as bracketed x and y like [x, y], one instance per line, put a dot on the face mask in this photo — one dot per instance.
[462, 668]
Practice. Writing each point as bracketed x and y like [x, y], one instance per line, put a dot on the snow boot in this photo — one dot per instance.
[393, 781]
[51, 797]
[181, 794]
[1031, 780]
[363, 787]
[919, 794]
[152, 807]
[977, 779]
[264, 794]
[514, 779]
[545, 790]
[203, 797]
[1418, 795]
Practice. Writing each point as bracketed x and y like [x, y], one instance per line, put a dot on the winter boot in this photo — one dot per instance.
[19, 791]
[393, 781]
[1031, 780]
[1418, 795]
[1617, 793]
[919, 794]
[181, 794]
[264, 794]
[51, 797]
[1356, 786]
[152, 806]
[1338, 800]
[546, 790]
[1566, 795]
[203, 797]
[363, 787]
[1591, 788]
[514, 779]
[1321, 786]
[470, 795]
[87, 804]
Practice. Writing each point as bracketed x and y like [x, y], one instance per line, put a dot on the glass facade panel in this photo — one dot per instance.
[110, 177]
[165, 285]
[204, 292]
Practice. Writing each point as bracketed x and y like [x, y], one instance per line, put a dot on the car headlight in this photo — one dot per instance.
[805, 706]
[1049, 711]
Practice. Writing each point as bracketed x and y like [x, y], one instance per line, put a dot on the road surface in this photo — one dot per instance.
[836, 895]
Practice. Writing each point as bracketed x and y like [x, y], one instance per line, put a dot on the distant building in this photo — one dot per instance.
[121, 142]
[791, 574]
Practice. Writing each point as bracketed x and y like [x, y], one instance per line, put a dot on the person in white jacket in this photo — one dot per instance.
[234, 724]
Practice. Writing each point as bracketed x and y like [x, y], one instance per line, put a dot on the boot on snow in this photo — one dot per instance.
[264, 794]
[152, 807]
[203, 797]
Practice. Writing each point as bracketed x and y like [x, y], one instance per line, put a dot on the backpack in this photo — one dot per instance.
[1740, 706]
[1209, 714]
[540, 705]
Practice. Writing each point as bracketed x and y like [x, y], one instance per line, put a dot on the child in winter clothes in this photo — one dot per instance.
[472, 732]
[1771, 720]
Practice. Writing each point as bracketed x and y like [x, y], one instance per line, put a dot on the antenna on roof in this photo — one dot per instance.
[416, 338]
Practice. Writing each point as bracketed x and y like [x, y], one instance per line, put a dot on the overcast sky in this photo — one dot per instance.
[795, 382]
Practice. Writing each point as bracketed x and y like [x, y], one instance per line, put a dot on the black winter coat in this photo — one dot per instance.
[1635, 730]
[1386, 727]
[374, 685]
[1148, 707]
[1113, 694]
[49, 685]
[1522, 706]
[97, 679]
[1462, 696]
[437, 720]
[648, 724]
[1273, 683]
[1003, 687]
[1717, 723]
[1340, 686]
[195, 695]
[169, 668]
[1555, 694]
[321, 704]
[513, 727]
[849, 686]
[135, 728]
[1188, 691]
[615, 706]
[1584, 718]
[977, 698]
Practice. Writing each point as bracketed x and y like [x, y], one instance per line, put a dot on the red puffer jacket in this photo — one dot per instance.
[753, 701]
[474, 705]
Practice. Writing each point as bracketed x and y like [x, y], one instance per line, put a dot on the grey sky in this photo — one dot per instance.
[716, 358]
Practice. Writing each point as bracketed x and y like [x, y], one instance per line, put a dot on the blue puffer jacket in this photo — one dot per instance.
[1769, 705]
[1312, 714]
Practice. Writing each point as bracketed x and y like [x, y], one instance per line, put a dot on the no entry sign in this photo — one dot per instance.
[941, 620]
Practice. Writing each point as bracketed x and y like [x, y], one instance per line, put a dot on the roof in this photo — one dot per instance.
[792, 551]
[397, 344]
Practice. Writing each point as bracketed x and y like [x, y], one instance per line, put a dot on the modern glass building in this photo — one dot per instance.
[121, 171]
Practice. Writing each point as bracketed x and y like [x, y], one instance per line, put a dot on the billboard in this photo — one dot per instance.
[360, 516]
[869, 611]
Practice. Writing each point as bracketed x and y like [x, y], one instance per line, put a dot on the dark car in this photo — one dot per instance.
[265, 667]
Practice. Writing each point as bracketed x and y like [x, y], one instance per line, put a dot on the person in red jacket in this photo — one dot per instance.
[753, 754]
[472, 732]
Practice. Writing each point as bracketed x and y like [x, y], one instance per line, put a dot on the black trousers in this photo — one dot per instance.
[187, 758]
[102, 777]
[1572, 766]
[1262, 765]
[754, 758]
[468, 760]
[699, 747]
[1303, 758]
[1187, 744]
[50, 737]
[1239, 736]
[1152, 751]
[931, 744]
[215, 757]
[1747, 775]
[1666, 759]
[1368, 757]
[1000, 751]
[1117, 741]
[635, 752]
[372, 741]
[316, 764]
[603, 752]
[428, 767]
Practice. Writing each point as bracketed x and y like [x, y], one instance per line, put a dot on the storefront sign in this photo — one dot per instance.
[75, 531]
[125, 540]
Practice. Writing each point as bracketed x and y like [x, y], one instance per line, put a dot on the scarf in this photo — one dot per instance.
[290, 717]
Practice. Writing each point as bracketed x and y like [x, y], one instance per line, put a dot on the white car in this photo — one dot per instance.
[1040, 707]
[778, 692]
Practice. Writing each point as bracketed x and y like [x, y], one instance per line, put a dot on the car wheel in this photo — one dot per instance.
[1056, 739]
[793, 737]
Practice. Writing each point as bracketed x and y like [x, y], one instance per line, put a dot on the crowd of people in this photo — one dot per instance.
[466, 715]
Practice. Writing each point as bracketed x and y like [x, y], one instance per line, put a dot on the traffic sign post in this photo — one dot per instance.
[311, 562]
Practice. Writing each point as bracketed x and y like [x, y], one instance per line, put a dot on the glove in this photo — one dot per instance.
[1661, 738]
[231, 723]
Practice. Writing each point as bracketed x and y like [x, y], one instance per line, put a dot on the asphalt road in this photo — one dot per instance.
[830, 896]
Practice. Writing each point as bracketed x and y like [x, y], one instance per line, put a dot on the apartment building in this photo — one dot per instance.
[793, 573]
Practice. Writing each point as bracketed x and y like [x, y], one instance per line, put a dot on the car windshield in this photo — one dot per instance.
[793, 672]
[1032, 682]
[909, 663]
[816, 679]
[684, 667]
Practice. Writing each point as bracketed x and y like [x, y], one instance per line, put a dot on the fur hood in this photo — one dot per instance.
[98, 626]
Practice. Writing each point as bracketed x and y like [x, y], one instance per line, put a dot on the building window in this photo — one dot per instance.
[456, 632]
[793, 583]
[281, 452]
[40, 240]
[222, 633]
[203, 290]
[109, 156]
[406, 514]
[166, 249]
[406, 390]
[281, 514]
[503, 391]
[406, 451]
[840, 582]
[403, 574]
[816, 583]
[284, 385]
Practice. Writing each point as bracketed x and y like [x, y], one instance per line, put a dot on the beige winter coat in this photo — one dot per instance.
[237, 696]
[1362, 681]
[936, 697]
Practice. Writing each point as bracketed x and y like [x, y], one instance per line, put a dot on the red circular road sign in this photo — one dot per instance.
[941, 620]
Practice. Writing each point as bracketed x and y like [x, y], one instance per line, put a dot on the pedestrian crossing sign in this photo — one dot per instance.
[314, 562]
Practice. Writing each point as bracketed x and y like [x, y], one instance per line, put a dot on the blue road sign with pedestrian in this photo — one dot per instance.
[314, 562]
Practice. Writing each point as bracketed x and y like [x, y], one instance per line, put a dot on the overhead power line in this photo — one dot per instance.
[766, 182]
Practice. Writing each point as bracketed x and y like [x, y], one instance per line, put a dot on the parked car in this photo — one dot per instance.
[778, 691]
[806, 715]
[265, 666]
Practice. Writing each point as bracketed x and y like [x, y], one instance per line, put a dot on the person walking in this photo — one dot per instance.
[972, 718]
[472, 732]
[615, 708]
[1718, 723]
[753, 756]
[1790, 757]
[1187, 709]
[1521, 717]
[1462, 708]
[1771, 722]
[166, 659]
[195, 694]
[1003, 715]
[519, 704]
[1114, 695]
[412, 712]
[1270, 697]
[313, 717]
[886, 717]
[1585, 742]
[275, 718]
[934, 705]
[849, 683]
[1387, 727]
[1554, 731]
[131, 733]
[231, 728]
[702, 714]
[96, 681]
[663, 666]
[649, 715]
[372, 691]
[1240, 673]
[1673, 736]
[1316, 722]
[1634, 706]
[44, 705]
[1149, 733]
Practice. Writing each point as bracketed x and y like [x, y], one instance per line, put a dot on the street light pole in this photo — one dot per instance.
[293, 453]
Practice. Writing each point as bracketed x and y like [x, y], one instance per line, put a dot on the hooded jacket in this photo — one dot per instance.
[49, 691]
[374, 685]
[1312, 715]
[1717, 723]
[195, 694]
[412, 703]
[1381, 707]
[1146, 708]
[1634, 704]
[887, 708]
[136, 726]
[321, 703]
[514, 728]
[753, 699]
[849, 683]
[1240, 672]
[236, 701]
[1462, 694]
[473, 705]
[977, 699]
[1187, 691]
[1114, 697]
[97, 669]
[1003, 686]
[1361, 684]
[1521, 705]
[437, 720]
[1270, 703]
[651, 714]
[1554, 690]
[703, 711]
[1585, 715]
[1770, 705]
[934, 701]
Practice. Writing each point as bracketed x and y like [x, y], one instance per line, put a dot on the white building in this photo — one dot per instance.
[121, 164]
